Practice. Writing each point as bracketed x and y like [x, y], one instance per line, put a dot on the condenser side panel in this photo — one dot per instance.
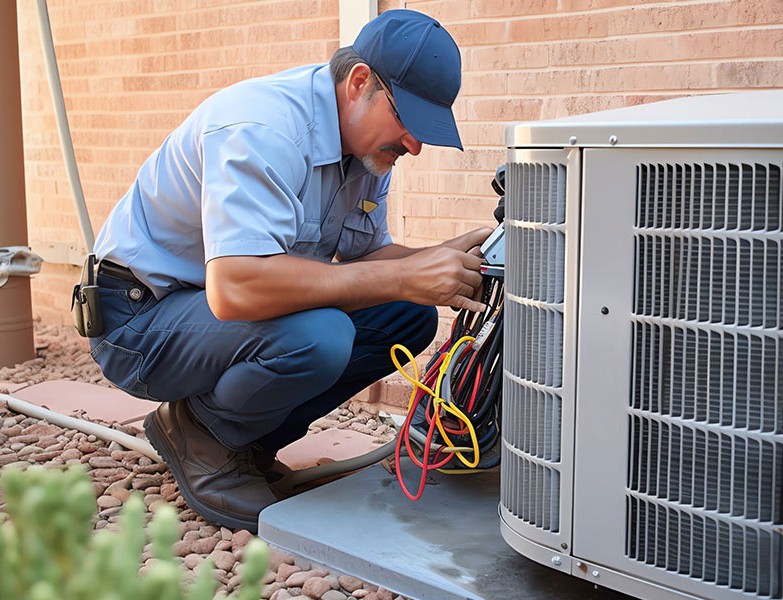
[542, 188]
[679, 415]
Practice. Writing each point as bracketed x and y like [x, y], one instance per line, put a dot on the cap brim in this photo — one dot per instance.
[428, 122]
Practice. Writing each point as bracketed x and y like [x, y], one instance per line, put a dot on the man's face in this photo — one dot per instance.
[377, 136]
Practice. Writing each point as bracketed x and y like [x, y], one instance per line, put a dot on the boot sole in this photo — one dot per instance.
[159, 442]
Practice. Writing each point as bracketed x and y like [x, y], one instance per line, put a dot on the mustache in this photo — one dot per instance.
[399, 150]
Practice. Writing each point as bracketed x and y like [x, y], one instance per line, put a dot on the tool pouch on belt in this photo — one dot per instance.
[86, 302]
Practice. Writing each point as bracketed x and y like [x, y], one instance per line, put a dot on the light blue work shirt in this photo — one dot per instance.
[255, 170]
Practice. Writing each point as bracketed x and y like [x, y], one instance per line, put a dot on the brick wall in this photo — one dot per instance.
[131, 70]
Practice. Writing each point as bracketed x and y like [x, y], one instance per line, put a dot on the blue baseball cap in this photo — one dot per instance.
[418, 59]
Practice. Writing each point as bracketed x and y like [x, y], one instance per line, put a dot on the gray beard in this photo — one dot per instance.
[373, 167]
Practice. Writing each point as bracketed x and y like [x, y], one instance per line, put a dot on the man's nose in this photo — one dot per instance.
[412, 145]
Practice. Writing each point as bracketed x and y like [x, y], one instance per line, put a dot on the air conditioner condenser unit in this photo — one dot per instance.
[643, 360]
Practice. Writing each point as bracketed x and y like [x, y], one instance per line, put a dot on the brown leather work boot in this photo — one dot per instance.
[221, 485]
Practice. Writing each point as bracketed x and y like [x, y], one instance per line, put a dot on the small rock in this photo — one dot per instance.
[150, 499]
[199, 546]
[271, 588]
[28, 451]
[142, 482]
[234, 582]
[103, 462]
[110, 512]
[108, 502]
[315, 587]
[151, 467]
[8, 459]
[334, 595]
[69, 454]
[241, 538]
[25, 439]
[169, 490]
[350, 583]
[223, 560]
[299, 578]
[284, 571]
[192, 561]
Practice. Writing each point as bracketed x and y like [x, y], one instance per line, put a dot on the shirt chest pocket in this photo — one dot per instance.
[356, 235]
[309, 232]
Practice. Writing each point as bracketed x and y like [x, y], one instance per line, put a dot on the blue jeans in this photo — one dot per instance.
[249, 382]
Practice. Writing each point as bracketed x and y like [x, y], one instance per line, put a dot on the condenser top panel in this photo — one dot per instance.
[751, 119]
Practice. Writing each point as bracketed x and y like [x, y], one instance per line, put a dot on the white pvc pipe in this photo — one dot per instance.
[63, 129]
[101, 431]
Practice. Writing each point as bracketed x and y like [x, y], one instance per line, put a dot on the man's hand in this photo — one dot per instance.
[470, 241]
[448, 274]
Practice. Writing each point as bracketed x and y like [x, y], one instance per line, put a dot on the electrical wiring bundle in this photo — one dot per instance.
[454, 410]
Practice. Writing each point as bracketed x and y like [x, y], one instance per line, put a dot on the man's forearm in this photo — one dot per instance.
[252, 288]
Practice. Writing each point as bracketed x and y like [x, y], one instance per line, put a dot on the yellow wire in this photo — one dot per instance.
[438, 401]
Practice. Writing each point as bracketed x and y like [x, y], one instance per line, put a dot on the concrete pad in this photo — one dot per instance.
[97, 401]
[446, 546]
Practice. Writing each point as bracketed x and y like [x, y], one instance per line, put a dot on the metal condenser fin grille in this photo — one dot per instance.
[705, 476]
[532, 402]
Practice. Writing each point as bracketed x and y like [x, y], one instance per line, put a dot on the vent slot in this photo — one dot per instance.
[705, 477]
[710, 549]
[533, 343]
[534, 421]
[531, 491]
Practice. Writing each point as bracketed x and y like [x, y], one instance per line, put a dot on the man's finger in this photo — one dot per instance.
[471, 305]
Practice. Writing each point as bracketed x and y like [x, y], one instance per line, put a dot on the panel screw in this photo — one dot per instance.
[564, 546]
[572, 140]
[612, 139]
[555, 560]
[595, 574]
[604, 310]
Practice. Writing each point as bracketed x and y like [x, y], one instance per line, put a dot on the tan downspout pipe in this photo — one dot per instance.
[16, 313]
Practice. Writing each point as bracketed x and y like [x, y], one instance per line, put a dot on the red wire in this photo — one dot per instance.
[472, 401]
[425, 467]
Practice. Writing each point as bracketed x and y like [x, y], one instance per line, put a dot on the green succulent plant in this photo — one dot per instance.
[49, 551]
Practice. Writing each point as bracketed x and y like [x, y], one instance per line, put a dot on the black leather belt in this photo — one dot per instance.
[106, 267]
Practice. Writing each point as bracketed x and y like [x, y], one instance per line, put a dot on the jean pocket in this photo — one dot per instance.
[122, 367]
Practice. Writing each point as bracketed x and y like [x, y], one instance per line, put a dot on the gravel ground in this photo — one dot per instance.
[116, 472]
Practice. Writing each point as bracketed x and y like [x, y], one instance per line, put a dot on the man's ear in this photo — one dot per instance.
[359, 80]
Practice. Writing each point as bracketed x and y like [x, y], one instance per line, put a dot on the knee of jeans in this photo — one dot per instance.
[326, 345]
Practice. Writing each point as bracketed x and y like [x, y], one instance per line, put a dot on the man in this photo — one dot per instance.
[248, 280]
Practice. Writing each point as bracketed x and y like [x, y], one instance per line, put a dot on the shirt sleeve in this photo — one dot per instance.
[252, 177]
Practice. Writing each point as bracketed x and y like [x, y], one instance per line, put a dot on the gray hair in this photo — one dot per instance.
[343, 60]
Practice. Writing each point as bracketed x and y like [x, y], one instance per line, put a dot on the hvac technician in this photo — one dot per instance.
[247, 279]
